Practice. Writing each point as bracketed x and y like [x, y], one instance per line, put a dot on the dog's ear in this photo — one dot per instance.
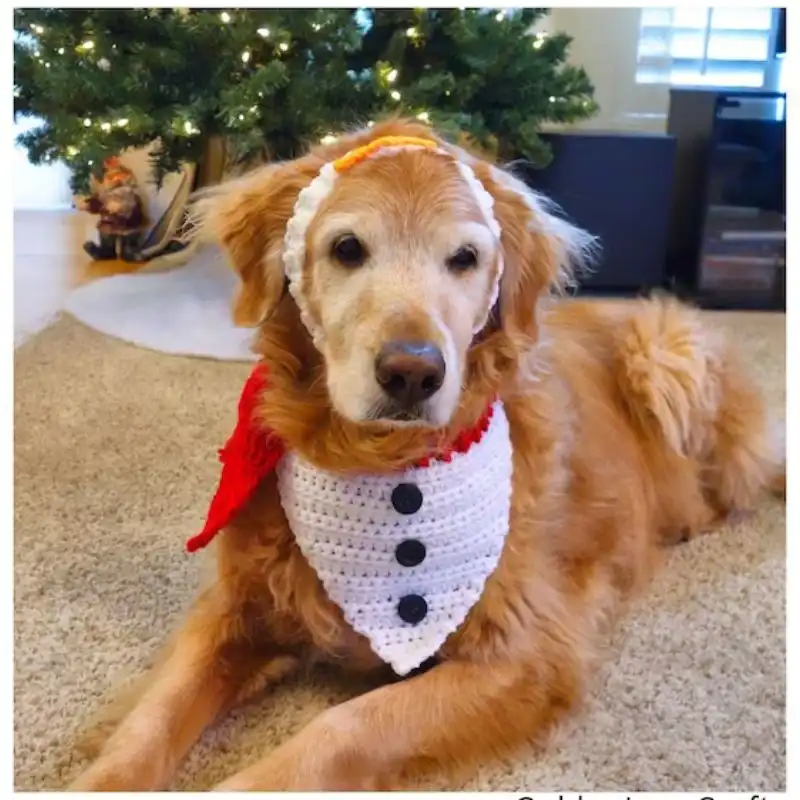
[543, 252]
[248, 217]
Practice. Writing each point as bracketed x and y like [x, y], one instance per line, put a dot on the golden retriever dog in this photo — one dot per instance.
[410, 314]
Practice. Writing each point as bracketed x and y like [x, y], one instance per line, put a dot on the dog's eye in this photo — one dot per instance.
[349, 251]
[463, 259]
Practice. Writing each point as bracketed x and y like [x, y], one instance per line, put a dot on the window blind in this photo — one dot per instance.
[706, 46]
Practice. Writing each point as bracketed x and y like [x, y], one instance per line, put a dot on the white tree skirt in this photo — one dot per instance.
[185, 311]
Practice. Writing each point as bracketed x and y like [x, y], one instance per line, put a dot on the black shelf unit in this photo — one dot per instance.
[727, 240]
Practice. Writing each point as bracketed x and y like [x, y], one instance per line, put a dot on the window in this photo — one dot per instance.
[703, 46]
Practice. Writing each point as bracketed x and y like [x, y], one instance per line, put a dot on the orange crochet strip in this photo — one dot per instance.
[361, 153]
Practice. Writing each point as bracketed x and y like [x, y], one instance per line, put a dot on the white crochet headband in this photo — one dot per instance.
[311, 198]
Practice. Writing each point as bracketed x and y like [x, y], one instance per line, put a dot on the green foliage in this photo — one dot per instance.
[272, 80]
[481, 72]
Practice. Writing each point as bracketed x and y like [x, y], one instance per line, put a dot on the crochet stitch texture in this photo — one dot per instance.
[349, 531]
[376, 554]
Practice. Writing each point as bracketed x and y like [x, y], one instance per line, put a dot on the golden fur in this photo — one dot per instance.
[632, 426]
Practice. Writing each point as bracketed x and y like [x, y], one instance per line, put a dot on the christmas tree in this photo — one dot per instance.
[267, 82]
[481, 72]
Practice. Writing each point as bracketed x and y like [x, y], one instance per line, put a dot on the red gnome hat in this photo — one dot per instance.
[116, 173]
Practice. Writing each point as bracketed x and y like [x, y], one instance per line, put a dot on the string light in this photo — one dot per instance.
[552, 99]
[500, 16]
[424, 116]
[395, 95]
[412, 33]
[253, 109]
[329, 138]
[87, 123]
[263, 32]
[391, 76]
[105, 126]
[241, 117]
[87, 45]
[121, 123]
[370, 123]
[37, 29]
[316, 26]
[225, 17]
[72, 151]
[47, 64]
[36, 53]
[246, 56]
[61, 51]
[90, 162]
[283, 47]
[190, 128]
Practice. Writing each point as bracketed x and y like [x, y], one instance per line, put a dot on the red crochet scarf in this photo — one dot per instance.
[252, 452]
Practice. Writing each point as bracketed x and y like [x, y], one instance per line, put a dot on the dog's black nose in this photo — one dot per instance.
[410, 372]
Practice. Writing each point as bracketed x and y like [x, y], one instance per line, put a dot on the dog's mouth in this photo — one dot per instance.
[401, 415]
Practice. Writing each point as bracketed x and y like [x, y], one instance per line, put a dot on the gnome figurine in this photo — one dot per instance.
[117, 202]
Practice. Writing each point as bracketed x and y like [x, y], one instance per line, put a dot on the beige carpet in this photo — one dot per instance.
[115, 460]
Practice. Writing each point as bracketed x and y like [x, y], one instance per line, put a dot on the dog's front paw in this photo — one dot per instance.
[100, 779]
[118, 774]
[302, 765]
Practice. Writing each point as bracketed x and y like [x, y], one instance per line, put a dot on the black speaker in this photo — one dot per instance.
[618, 186]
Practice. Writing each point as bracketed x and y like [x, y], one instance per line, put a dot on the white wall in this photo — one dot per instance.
[604, 44]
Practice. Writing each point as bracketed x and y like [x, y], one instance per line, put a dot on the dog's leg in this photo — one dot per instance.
[206, 670]
[444, 719]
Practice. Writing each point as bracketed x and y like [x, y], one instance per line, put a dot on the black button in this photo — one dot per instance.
[412, 609]
[407, 498]
[410, 553]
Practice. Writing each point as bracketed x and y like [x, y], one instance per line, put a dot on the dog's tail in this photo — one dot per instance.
[683, 383]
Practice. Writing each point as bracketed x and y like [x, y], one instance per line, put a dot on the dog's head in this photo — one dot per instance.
[395, 267]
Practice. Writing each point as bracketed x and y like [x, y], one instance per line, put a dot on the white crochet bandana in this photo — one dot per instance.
[311, 198]
[405, 556]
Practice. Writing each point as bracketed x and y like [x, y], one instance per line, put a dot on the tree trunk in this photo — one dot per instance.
[211, 164]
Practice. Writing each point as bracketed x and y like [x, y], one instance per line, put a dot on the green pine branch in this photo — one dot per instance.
[272, 80]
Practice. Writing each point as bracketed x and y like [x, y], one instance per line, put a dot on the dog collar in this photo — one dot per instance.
[253, 452]
[311, 198]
